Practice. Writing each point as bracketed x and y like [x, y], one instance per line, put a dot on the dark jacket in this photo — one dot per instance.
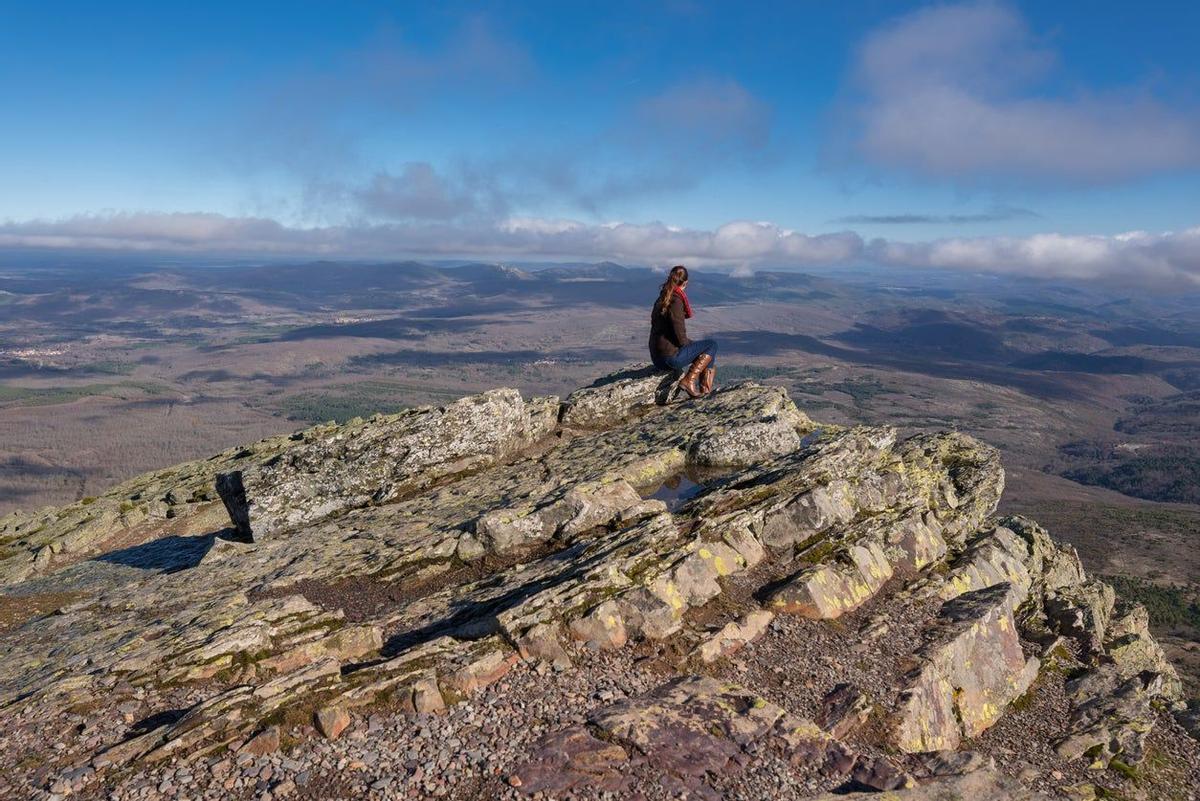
[668, 333]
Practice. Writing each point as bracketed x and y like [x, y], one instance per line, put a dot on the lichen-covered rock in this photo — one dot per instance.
[1051, 564]
[1082, 612]
[378, 460]
[602, 626]
[980, 785]
[583, 507]
[917, 537]
[971, 668]
[405, 573]
[617, 396]
[734, 635]
[753, 442]
[810, 513]
[832, 589]
[995, 556]
[1111, 718]
[35, 543]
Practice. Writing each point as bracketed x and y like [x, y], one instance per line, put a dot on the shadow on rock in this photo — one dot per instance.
[168, 554]
[156, 720]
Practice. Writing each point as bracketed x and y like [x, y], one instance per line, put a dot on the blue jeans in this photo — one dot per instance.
[687, 354]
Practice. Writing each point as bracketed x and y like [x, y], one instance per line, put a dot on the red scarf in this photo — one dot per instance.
[687, 307]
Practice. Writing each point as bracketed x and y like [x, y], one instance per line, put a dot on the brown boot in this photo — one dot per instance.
[707, 378]
[688, 382]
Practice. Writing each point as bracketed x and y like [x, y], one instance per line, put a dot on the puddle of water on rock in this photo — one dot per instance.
[681, 487]
[676, 490]
[810, 438]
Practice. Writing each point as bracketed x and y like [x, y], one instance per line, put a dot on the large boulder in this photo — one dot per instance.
[752, 443]
[971, 668]
[381, 460]
[830, 590]
[617, 396]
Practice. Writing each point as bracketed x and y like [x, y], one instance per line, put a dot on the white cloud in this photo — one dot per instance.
[1164, 260]
[1133, 259]
[953, 92]
[526, 236]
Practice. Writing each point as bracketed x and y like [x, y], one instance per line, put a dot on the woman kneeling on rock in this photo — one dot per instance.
[670, 348]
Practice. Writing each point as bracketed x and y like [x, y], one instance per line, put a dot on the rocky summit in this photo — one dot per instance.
[602, 596]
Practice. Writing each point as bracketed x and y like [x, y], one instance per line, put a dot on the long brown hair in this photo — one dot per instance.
[676, 278]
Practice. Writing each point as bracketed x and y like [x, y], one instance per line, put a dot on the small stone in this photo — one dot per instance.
[843, 710]
[427, 698]
[265, 742]
[129, 710]
[1079, 792]
[331, 721]
[735, 635]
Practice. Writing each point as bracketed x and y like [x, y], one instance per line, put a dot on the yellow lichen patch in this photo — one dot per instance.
[673, 597]
[810, 730]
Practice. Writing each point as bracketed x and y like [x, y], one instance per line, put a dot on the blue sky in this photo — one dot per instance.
[868, 130]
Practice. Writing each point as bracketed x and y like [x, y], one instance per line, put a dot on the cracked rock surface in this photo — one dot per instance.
[488, 600]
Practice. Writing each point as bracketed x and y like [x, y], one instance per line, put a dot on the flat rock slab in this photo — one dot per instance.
[690, 726]
[381, 459]
[688, 731]
[570, 759]
[982, 785]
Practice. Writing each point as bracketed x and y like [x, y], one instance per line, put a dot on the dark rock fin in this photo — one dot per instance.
[233, 494]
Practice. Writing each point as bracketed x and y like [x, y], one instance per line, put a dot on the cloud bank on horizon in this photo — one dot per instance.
[1137, 259]
[970, 97]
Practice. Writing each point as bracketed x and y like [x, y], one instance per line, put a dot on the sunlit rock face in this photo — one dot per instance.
[843, 598]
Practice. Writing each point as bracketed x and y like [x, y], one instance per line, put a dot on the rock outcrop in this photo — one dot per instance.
[410, 564]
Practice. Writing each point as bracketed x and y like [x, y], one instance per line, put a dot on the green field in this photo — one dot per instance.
[1170, 607]
[48, 396]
